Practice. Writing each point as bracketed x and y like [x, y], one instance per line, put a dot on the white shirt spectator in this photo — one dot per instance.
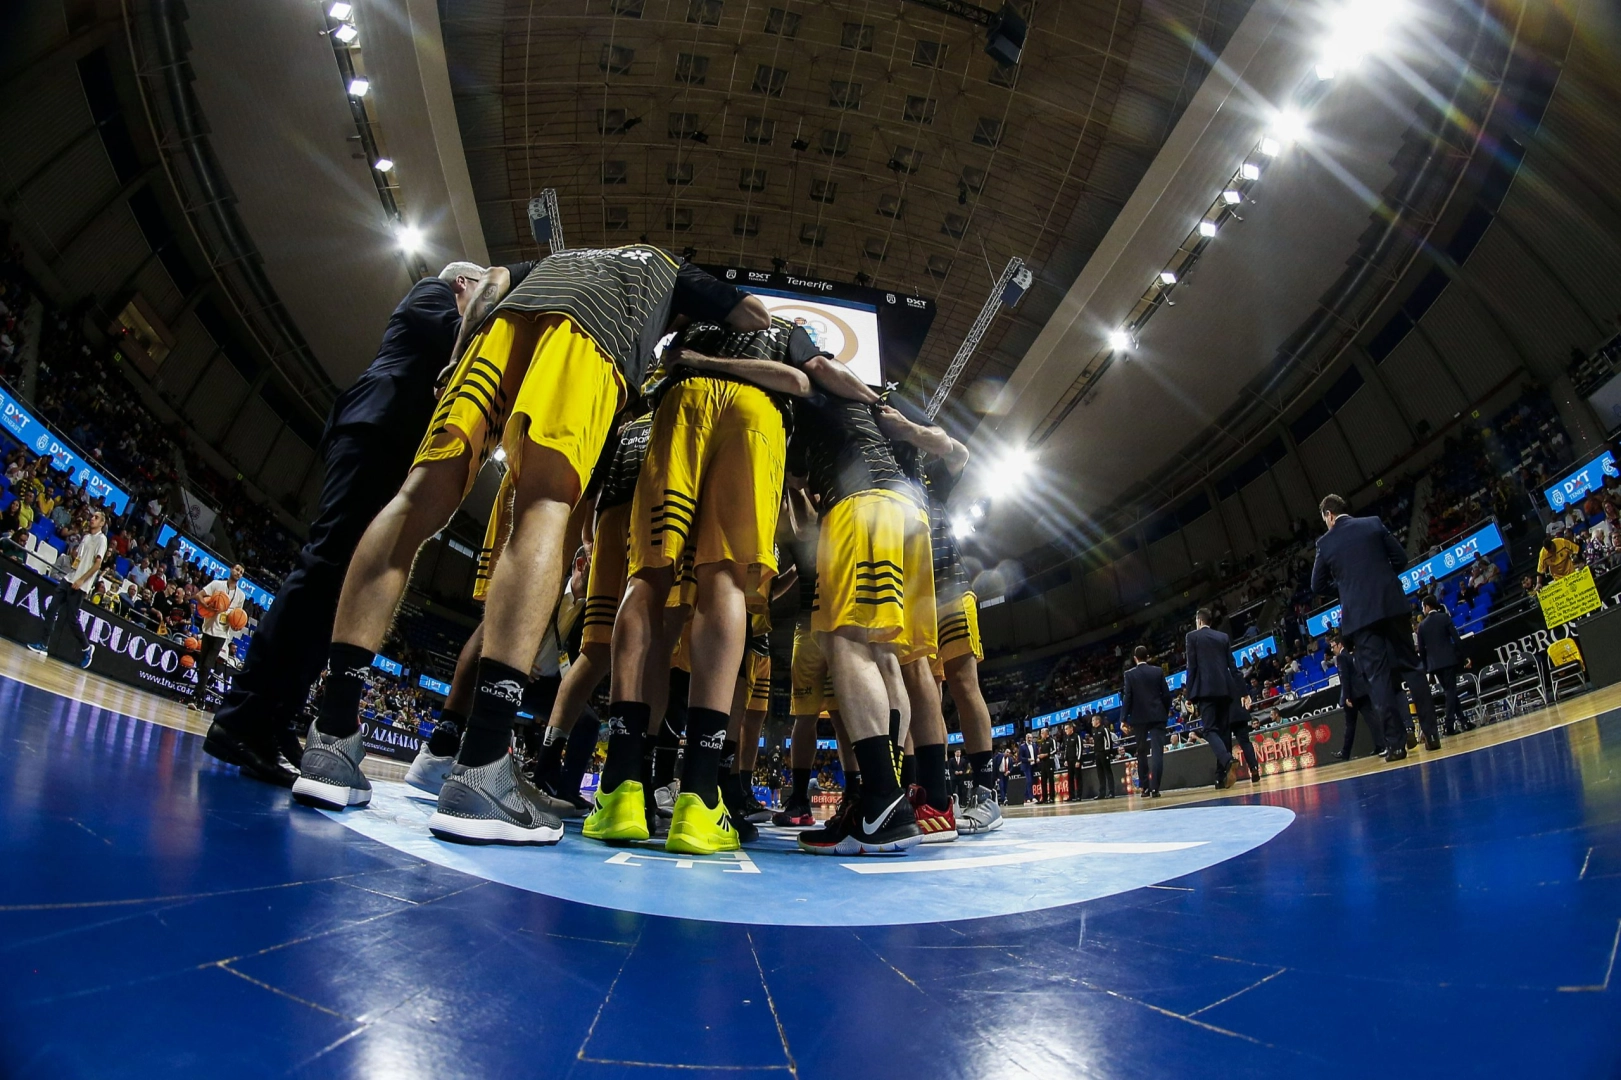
[92, 549]
[215, 625]
[140, 574]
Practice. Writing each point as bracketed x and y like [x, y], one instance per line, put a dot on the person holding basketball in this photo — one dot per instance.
[220, 607]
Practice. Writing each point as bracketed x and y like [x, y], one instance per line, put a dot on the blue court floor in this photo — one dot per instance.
[160, 916]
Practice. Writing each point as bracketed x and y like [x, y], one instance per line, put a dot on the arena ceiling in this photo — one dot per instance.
[860, 140]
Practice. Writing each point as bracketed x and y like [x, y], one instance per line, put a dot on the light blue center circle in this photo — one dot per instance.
[1027, 865]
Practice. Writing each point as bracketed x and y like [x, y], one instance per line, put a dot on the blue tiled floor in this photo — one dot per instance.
[161, 916]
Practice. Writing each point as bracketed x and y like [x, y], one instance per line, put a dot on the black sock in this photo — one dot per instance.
[878, 779]
[627, 730]
[496, 697]
[549, 765]
[933, 775]
[852, 784]
[706, 735]
[908, 770]
[580, 748]
[347, 668]
[800, 795]
[447, 734]
[730, 785]
[983, 764]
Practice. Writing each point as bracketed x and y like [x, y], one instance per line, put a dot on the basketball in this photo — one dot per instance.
[188, 661]
[236, 618]
[192, 645]
[215, 603]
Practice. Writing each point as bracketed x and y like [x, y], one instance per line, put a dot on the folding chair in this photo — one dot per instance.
[1566, 672]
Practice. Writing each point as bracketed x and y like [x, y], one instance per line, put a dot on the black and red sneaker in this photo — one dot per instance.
[937, 826]
[833, 838]
[794, 817]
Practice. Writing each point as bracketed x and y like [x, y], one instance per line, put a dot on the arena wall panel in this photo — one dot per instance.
[250, 437]
[1135, 583]
[41, 119]
[1414, 374]
[1329, 461]
[1101, 591]
[1474, 346]
[1066, 610]
[1207, 540]
[1571, 233]
[1373, 427]
[1265, 507]
[57, 201]
[104, 255]
[158, 288]
[1235, 517]
[192, 350]
[1298, 498]
[1168, 559]
[216, 399]
[283, 468]
[1545, 321]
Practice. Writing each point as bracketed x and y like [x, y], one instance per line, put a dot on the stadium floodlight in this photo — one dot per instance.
[1119, 340]
[383, 164]
[1016, 466]
[1288, 127]
[1270, 146]
[1355, 30]
[341, 11]
[1231, 197]
[1167, 278]
[1324, 70]
[1207, 229]
[359, 86]
[346, 33]
[410, 238]
[962, 528]
[1249, 171]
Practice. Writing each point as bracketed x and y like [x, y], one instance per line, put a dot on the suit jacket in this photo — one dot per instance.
[1144, 700]
[1027, 753]
[1210, 657]
[1438, 643]
[1360, 558]
[1353, 689]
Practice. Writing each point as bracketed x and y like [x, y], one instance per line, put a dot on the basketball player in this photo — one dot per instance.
[871, 557]
[543, 378]
[811, 691]
[711, 482]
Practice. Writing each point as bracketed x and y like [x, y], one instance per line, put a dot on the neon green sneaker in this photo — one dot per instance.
[620, 816]
[695, 829]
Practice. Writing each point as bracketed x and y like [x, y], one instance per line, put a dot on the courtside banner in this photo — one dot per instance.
[121, 650]
[196, 554]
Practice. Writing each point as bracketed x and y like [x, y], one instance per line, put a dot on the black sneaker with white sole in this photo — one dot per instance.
[870, 825]
[493, 804]
[329, 776]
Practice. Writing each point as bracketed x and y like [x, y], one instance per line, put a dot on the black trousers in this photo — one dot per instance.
[1073, 773]
[1453, 711]
[1213, 722]
[1150, 757]
[63, 617]
[1238, 740]
[1418, 689]
[365, 466]
[1100, 759]
[1352, 711]
[205, 666]
[1384, 650]
[1048, 773]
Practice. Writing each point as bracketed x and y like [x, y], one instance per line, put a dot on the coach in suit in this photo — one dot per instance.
[1440, 650]
[1210, 687]
[1360, 558]
[1238, 723]
[1354, 702]
[1145, 704]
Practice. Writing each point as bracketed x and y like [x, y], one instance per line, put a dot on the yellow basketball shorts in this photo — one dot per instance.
[759, 683]
[959, 632]
[875, 570]
[812, 684]
[605, 586]
[538, 378]
[712, 481]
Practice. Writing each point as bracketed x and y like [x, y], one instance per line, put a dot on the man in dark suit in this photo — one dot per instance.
[1238, 722]
[1354, 701]
[1145, 704]
[1103, 742]
[1028, 752]
[1360, 558]
[1071, 751]
[1440, 650]
[1210, 688]
[1047, 766]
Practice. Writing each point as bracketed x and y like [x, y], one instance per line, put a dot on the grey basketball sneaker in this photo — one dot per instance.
[493, 804]
[980, 815]
[428, 771]
[329, 775]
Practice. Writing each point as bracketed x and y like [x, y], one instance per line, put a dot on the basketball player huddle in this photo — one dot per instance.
[709, 457]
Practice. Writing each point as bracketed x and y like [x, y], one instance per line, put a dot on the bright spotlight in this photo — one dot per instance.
[346, 33]
[1207, 229]
[1249, 171]
[1355, 30]
[1231, 197]
[977, 511]
[1016, 466]
[359, 86]
[341, 11]
[410, 238]
[1119, 340]
[1167, 278]
[383, 164]
[1289, 127]
[961, 528]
